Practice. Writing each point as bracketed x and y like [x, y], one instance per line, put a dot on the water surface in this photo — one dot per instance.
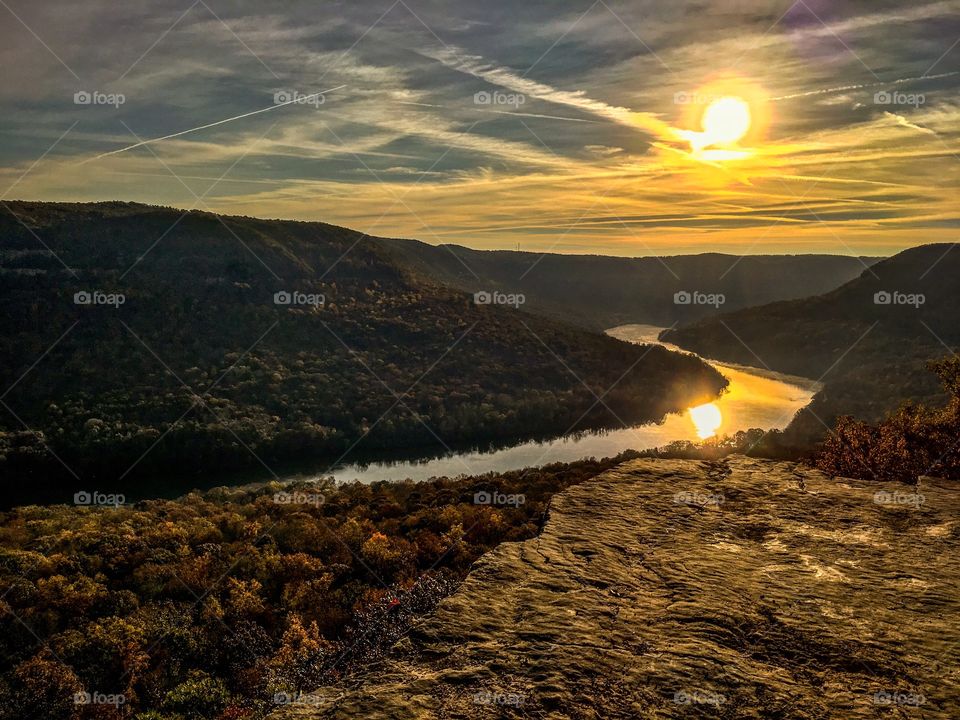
[755, 398]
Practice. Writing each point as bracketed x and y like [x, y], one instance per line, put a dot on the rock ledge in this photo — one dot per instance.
[674, 588]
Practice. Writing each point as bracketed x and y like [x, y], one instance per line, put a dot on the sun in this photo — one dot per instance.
[725, 121]
[728, 118]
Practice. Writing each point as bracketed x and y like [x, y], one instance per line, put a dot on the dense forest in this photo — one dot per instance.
[600, 292]
[224, 604]
[868, 341]
[140, 341]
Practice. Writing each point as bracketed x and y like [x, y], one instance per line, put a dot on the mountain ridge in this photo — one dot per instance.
[600, 291]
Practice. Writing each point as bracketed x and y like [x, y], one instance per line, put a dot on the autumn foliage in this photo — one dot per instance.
[219, 605]
[911, 442]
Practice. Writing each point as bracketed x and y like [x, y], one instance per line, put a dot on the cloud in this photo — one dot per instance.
[593, 160]
[903, 122]
[603, 150]
[578, 99]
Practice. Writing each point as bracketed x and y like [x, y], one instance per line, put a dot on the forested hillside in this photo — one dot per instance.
[141, 341]
[601, 292]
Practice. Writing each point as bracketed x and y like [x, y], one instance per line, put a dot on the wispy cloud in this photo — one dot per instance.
[903, 122]
[577, 100]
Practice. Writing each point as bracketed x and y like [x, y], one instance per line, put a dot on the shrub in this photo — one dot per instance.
[911, 442]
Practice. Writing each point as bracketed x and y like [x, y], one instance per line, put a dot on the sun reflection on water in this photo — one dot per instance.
[707, 419]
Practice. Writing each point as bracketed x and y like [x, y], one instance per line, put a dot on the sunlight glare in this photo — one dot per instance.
[707, 419]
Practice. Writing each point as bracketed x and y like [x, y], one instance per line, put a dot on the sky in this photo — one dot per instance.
[577, 127]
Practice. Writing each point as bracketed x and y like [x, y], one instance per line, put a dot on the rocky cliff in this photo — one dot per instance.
[661, 589]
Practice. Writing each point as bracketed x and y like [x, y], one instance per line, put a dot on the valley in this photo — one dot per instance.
[868, 341]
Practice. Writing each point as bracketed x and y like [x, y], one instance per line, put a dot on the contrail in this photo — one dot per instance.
[298, 99]
[841, 88]
[504, 112]
[538, 115]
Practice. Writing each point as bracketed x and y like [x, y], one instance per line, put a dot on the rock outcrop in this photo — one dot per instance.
[674, 588]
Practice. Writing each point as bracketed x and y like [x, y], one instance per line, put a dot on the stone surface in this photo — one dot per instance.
[672, 588]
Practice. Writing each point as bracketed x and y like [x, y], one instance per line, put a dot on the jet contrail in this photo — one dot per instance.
[298, 99]
[538, 115]
[841, 88]
[503, 112]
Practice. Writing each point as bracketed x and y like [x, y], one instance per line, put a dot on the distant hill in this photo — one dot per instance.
[601, 292]
[868, 340]
[144, 342]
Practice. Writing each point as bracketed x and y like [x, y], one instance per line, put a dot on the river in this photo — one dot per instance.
[755, 398]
